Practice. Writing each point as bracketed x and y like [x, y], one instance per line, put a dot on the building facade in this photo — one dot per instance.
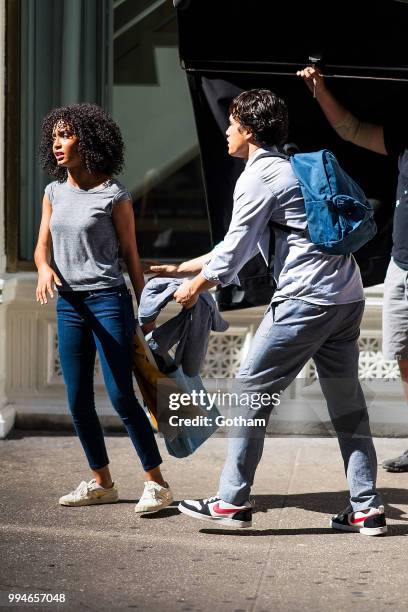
[122, 55]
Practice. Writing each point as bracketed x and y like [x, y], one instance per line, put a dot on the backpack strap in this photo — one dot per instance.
[271, 224]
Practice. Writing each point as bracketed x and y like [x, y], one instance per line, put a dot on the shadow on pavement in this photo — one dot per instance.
[393, 530]
[20, 434]
[169, 511]
[331, 502]
[58, 430]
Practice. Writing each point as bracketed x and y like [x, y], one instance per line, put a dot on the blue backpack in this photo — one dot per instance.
[340, 219]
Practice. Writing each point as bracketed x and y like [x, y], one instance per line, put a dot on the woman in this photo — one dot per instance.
[87, 215]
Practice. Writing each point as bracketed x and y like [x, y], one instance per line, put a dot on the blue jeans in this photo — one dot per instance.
[292, 332]
[102, 320]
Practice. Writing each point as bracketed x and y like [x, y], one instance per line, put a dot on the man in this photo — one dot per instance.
[315, 312]
[390, 139]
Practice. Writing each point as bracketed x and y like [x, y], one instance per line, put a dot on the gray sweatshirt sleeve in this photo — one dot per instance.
[253, 202]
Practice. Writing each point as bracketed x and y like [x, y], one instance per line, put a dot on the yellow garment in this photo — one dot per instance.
[146, 375]
[358, 132]
[156, 396]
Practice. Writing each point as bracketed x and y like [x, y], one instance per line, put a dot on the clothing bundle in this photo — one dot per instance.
[189, 330]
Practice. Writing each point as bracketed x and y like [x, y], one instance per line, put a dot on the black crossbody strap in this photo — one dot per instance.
[271, 248]
[287, 228]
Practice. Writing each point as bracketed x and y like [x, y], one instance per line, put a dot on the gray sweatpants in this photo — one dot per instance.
[290, 334]
[395, 313]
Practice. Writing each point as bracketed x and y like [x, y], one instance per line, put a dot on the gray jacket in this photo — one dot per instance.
[190, 329]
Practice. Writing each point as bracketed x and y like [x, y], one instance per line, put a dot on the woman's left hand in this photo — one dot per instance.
[186, 296]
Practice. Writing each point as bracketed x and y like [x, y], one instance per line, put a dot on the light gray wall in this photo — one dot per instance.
[157, 122]
[2, 136]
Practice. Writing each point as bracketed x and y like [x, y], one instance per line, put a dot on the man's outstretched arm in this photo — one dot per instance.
[182, 270]
[252, 210]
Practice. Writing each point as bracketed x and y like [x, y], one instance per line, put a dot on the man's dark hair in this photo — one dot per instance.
[264, 114]
[100, 142]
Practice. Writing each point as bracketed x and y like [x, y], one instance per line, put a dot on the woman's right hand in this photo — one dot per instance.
[46, 276]
[313, 78]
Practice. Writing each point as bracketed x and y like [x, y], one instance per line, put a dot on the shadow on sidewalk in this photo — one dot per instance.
[331, 502]
[169, 511]
[393, 530]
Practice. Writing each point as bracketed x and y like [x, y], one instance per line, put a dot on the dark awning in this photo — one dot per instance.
[227, 46]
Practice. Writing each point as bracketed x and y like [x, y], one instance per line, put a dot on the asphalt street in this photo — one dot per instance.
[106, 558]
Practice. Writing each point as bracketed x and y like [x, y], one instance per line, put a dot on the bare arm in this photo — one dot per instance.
[124, 223]
[186, 268]
[42, 256]
[363, 134]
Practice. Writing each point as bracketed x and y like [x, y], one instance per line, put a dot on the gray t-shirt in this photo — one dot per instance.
[85, 244]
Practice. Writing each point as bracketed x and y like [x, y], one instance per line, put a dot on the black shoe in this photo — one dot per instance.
[368, 522]
[215, 510]
[399, 464]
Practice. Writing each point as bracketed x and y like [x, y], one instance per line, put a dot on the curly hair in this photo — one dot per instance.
[264, 114]
[100, 142]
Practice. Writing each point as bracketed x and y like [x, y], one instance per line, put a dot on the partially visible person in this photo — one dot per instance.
[315, 313]
[86, 216]
[388, 139]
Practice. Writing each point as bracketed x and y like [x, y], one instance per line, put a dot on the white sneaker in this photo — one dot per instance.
[154, 498]
[88, 493]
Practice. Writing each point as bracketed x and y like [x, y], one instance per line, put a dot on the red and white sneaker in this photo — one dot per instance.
[215, 510]
[368, 522]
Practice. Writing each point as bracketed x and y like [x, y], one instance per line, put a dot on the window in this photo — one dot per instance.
[152, 105]
[69, 51]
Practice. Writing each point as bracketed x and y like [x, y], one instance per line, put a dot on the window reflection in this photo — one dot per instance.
[152, 105]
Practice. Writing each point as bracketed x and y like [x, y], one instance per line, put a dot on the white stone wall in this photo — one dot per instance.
[6, 411]
[2, 135]
[34, 386]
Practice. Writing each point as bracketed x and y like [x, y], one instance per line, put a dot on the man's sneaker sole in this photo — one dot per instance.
[237, 524]
[370, 531]
[397, 464]
[398, 470]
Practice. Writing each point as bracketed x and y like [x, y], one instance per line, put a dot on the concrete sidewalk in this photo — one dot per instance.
[108, 558]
